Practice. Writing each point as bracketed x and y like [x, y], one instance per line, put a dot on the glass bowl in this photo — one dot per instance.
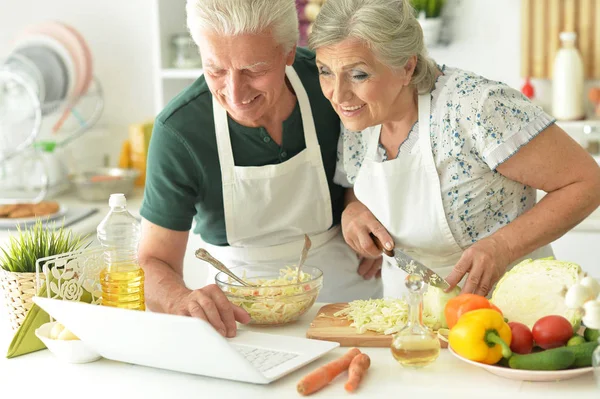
[272, 304]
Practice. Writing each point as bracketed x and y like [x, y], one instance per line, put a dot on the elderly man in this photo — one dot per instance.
[249, 152]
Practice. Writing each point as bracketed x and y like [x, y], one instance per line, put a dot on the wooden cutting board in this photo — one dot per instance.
[327, 327]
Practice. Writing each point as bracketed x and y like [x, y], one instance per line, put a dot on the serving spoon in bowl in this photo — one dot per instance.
[307, 244]
[205, 256]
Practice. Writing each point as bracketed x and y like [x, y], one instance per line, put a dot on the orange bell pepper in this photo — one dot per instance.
[464, 303]
[481, 335]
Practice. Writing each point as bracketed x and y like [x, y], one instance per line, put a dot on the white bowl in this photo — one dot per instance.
[74, 351]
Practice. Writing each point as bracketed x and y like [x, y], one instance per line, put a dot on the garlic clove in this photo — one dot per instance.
[591, 317]
[57, 328]
[577, 295]
[591, 284]
[67, 335]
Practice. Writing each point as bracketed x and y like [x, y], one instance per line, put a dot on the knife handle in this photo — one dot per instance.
[380, 246]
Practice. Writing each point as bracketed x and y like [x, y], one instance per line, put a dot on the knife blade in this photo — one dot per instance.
[412, 266]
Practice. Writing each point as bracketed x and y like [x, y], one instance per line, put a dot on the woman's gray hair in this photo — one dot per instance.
[237, 17]
[388, 27]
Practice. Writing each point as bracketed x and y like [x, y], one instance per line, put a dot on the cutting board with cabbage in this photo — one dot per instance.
[527, 293]
[371, 323]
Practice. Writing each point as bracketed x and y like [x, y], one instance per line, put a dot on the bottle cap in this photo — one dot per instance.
[527, 89]
[117, 200]
[568, 36]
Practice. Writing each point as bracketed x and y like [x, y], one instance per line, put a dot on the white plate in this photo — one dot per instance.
[8, 222]
[527, 375]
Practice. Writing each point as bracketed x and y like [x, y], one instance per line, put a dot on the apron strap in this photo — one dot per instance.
[425, 146]
[373, 142]
[223, 142]
[308, 123]
[424, 120]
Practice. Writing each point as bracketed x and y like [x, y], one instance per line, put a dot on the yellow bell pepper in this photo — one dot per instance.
[481, 335]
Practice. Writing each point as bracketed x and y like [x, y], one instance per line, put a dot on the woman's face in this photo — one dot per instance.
[246, 73]
[363, 91]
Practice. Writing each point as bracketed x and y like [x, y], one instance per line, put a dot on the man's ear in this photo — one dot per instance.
[409, 69]
[291, 56]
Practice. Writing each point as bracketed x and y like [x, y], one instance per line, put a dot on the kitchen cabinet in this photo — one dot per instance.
[168, 19]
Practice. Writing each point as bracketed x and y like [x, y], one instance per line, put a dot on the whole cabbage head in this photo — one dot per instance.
[535, 288]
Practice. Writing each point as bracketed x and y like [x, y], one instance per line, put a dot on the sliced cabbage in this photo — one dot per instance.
[389, 316]
[535, 288]
[386, 316]
[276, 301]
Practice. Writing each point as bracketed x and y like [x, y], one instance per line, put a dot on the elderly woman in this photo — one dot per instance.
[249, 152]
[444, 163]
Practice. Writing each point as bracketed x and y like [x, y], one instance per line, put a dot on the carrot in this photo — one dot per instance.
[322, 376]
[356, 371]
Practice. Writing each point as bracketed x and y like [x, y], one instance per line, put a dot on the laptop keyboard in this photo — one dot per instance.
[264, 359]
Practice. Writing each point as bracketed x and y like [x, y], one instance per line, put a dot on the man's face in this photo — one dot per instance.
[245, 73]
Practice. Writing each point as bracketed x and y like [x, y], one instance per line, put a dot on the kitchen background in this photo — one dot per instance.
[484, 35]
[130, 42]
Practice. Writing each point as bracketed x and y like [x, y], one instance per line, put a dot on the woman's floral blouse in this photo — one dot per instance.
[476, 124]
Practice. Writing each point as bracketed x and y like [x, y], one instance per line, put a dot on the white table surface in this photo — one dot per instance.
[41, 375]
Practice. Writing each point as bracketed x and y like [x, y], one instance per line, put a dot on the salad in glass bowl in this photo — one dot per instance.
[278, 297]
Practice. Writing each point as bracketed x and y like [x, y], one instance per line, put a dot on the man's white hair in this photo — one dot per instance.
[237, 17]
[388, 27]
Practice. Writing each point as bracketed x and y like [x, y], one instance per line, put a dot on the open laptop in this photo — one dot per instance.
[184, 344]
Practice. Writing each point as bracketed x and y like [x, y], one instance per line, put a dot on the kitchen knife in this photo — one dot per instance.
[413, 266]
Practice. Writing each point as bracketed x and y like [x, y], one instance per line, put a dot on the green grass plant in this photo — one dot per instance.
[38, 241]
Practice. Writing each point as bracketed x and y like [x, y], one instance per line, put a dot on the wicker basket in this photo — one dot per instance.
[18, 289]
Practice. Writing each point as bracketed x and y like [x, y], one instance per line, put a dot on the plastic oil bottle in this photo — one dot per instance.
[122, 279]
[415, 346]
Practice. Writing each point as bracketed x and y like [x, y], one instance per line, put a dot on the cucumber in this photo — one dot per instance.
[551, 359]
[574, 356]
[583, 354]
[591, 335]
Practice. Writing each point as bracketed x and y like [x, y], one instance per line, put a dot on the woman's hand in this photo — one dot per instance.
[485, 262]
[369, 267]
[357, 223]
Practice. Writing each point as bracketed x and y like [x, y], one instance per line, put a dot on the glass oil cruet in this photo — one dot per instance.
[415, 345]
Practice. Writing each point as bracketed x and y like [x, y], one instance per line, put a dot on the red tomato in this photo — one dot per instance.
[522, 339]
[552, 331]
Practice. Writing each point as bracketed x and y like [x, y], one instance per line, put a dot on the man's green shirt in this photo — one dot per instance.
[183, 179]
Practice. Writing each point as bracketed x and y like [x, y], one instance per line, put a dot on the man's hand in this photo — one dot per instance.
[357, 223]
[210, 303]
[369, 267]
